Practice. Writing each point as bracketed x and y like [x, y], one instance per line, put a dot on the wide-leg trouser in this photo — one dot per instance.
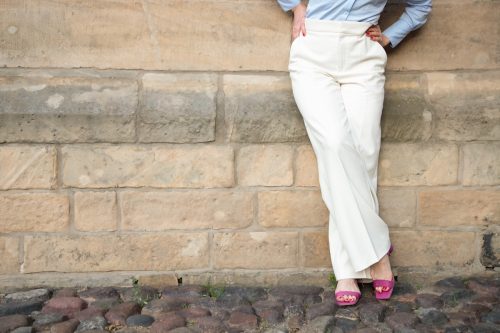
[337, 75]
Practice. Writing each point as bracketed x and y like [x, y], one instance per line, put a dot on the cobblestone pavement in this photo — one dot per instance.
[457, 304]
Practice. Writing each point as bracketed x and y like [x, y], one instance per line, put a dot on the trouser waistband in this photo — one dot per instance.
[336, 27]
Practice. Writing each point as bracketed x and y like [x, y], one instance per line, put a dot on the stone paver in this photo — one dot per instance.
[455, 304]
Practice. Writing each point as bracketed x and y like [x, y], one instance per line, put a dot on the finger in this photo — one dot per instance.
[304, 27]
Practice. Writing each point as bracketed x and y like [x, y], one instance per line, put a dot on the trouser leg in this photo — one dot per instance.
[358, 235]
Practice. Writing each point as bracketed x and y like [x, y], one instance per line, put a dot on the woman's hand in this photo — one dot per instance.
[299, 17]
[376, 34]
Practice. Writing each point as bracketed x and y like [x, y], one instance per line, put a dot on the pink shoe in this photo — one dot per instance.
[347, 293]
[384, 283]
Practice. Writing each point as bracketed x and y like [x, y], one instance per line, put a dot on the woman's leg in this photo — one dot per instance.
[342, 174]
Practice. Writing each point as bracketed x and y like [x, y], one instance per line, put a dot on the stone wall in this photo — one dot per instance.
[160, 139]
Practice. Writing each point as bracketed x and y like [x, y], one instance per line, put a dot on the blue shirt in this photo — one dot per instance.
[413, 17]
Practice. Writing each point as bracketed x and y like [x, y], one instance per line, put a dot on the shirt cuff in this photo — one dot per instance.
[290, 4]
[397, 32]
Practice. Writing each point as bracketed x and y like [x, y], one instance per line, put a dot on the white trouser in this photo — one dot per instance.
[337, 75]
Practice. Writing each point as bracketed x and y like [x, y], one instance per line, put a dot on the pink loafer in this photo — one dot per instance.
[347, 293]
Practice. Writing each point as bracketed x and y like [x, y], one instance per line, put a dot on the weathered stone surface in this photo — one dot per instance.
[454, 208]
[418, 164]
[24, 329]
[90, 312]
[154, 210]
[190, 41]
[163, 309]
[306, 167]
[21, 307]
[265, 165]
[97, 166]
[35, 212]
[490, 249]
[138, 293]
[250, 36]
[119, 313]
[167, 322]
[466, 105]
[319, 324]
[67, 109]
[9, 252]
[95, 323]
[140, 320]
[316, 249]
[177, 108]
[481, 164]
[242, 321]
[65, 327]
[26, 167]
[230, 247]
[261, 108]
[98, 253]
[432, 248]
[39, 294]
[320, 309]
[207, 324]
[44, 321]
[67, 306]
[407, 115]
[397, 207]
[429, 301]
[401, 320]
[9, 323]
[96, 211]
[194, 312]
[65, 292]
[372, 313]
[432, 317]
[94, 295]
[299, 208]
[439, 44]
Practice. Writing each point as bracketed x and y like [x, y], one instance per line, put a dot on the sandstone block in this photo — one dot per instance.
[303, 208]
[481, 164]
[33, 212]
[266, 165]
[153, 211]
[101, 253]
[460, 207]
[25, 167]
[9, 252]
[151, 165]
[397, 207]
[418, 164]
[306, 167]
[407, 116]
[95, 211]
[177, 108]
[429, 248]
[441, 44]
[67, 109]
[316, 249]
[466, 105]
[255, 250]
[173, 35]
[261, 108]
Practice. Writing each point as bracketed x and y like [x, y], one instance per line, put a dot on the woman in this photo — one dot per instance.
[337, 68]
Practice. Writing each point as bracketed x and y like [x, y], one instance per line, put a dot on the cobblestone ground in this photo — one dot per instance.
[455, 304]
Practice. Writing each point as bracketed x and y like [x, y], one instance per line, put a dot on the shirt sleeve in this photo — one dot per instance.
[286, 5]
[413, 17]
